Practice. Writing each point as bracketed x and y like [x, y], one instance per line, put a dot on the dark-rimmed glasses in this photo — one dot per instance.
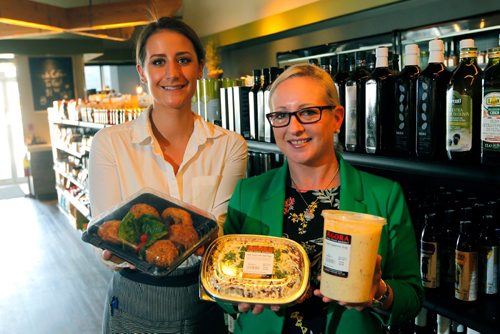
[308, 115]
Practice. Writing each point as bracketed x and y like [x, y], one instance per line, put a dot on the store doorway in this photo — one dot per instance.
[12, 148]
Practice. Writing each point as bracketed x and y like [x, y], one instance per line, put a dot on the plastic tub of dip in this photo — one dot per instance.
[350, 247]
[254, 269]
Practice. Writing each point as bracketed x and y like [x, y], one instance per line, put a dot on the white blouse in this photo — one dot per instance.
[126, 158]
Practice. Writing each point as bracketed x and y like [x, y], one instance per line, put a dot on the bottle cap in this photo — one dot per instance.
[382, 52]
[467, 43]
[436, 45]
[412, 49]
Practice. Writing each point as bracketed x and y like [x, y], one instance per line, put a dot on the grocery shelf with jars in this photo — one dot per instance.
[72, 125]
[432, 131]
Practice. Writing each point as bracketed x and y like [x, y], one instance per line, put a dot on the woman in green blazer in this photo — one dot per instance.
[288, 201]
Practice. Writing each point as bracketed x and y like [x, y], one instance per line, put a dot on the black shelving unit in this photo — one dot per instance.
[481, 315]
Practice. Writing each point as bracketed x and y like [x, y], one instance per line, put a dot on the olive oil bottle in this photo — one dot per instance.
[379, 107]
[463, 108]
[490, 116]
[430, 253]
[488, 257]
[431, 106]
[340, 79]
[354, 118]
[466, 260]
[405, 103]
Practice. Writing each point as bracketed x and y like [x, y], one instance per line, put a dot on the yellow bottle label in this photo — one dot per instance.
[466, 275]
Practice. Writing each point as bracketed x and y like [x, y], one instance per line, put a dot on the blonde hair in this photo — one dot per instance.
[308, 71]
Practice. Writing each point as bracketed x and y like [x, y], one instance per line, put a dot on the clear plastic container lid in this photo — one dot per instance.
[152, 231]
[254, 269]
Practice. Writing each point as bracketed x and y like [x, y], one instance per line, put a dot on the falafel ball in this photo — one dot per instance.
[108, 231]
[137, 210]
[172, 216]
[162, 253]
[183, 234]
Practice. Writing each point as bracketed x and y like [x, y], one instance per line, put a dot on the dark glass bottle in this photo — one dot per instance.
[488, 257]
[429, 253]
[466, 259]
[340, 79]
[405, 104]
[341, 76]
[252, 101]
[421, 322]
[354, 117]
[379, 107]
[490, 116]
[463, 108]
[457, 328]
[268, 132]
[324, 63]
[431, 106]
[334, 66]
[314, 61]
[452, 58]
[450, 235]
[261, 108]
[443, 324]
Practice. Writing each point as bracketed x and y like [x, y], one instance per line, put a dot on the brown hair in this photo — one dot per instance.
[170, 24]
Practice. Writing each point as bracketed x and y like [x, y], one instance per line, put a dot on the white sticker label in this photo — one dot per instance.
[258, 263]
[337, 254]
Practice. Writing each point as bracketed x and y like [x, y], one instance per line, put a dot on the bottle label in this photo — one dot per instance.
[429, 264]
[490, 121]
[337, 250]
[402, 115]
[350, 117]
[458, 121]
[371, 134]
[267, 127]
[261, 116]
[252, 114]
[489, 270]
[466, 275]
[424, 108]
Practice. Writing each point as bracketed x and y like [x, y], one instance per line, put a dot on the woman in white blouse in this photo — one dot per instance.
[170, 149]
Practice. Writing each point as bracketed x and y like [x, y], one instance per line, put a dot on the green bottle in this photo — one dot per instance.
[463, 108]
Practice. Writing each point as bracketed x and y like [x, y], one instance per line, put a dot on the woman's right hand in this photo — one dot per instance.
[115, 262]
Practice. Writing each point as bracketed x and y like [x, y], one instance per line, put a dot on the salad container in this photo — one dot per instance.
[254, 269]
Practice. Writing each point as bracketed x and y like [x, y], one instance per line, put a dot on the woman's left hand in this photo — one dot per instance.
[359, 306]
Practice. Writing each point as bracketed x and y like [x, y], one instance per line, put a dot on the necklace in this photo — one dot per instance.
[309, 213]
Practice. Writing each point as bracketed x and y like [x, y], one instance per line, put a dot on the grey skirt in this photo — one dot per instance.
[135, 307]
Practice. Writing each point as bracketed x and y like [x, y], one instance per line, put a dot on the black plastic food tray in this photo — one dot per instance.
[204, 225]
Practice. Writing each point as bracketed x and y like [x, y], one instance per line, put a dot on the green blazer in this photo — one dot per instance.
[256, 207]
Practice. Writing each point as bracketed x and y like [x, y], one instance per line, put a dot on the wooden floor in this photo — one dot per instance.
[50, 282]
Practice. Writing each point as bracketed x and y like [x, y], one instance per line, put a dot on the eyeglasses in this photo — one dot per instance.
[279, 119]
